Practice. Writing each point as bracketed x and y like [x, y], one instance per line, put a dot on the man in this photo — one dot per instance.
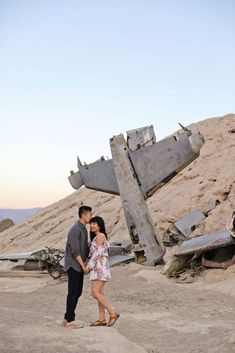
[76, 253]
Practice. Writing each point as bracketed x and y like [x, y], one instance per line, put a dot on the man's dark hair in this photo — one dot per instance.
[83, 210]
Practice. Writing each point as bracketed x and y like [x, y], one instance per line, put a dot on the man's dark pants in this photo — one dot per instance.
[75, 285]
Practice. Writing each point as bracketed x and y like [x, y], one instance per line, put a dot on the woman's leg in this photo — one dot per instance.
[101, 307]
[97, 293]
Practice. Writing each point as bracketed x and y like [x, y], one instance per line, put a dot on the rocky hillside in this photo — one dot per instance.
[211, 176]
[6, 224]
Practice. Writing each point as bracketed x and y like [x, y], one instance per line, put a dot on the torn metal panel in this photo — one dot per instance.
[187, 224]
[118, 259]
[119, 248]
[33, 255]
[16, 256]
[140, 137]
[211, 206]
[204, 243]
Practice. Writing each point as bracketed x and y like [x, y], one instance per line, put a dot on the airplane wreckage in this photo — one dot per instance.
[139, 166]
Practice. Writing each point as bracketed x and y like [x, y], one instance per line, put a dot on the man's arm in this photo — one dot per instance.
[74, 240]
[84, 268]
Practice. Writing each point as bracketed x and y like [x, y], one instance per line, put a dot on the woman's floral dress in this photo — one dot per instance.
[98, 261]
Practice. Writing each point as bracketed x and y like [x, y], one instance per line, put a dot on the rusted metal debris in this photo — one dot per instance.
[118, 259]
[215, 250]
[204, 243]
[187, 224]
[118, 248]
[52, 260]
[170, 238]
[211, 206]
[219, 258]
[46, 259]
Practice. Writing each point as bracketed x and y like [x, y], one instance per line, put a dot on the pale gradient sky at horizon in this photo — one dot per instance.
[75, 73]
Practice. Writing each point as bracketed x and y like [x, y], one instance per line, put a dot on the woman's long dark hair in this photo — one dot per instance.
[100, 222]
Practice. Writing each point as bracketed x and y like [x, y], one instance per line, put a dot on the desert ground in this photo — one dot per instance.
[158, 315]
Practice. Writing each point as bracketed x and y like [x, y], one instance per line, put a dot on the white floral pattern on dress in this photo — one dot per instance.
[98, 261]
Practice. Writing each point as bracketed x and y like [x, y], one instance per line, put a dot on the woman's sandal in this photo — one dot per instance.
[113, 318]
[98, 323]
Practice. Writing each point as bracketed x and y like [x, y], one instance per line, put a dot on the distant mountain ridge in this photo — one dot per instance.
[17, 215]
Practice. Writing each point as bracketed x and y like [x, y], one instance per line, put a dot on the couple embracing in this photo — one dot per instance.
[80, 260]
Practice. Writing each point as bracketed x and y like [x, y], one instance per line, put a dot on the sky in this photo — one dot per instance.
[75, 73]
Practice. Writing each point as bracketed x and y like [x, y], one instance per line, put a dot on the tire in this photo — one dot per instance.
[55, 271]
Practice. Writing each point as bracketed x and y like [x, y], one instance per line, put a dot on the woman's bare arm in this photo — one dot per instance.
[100, 239]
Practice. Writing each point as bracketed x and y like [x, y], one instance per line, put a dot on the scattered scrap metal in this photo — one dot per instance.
[188, 223]
[170, 238]
[46, 259]
[52, 260]
[211, 206]
[216, 250]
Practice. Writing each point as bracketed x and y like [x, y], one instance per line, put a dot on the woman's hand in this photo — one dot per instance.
[85, 270]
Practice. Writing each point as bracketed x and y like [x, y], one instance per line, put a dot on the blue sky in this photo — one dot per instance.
[74, 73]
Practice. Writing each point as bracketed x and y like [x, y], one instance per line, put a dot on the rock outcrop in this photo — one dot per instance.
[6, 224]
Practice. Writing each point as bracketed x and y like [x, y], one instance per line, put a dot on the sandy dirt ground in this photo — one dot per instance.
[157, 314]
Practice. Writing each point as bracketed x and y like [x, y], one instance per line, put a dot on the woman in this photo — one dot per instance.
[99, 270]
